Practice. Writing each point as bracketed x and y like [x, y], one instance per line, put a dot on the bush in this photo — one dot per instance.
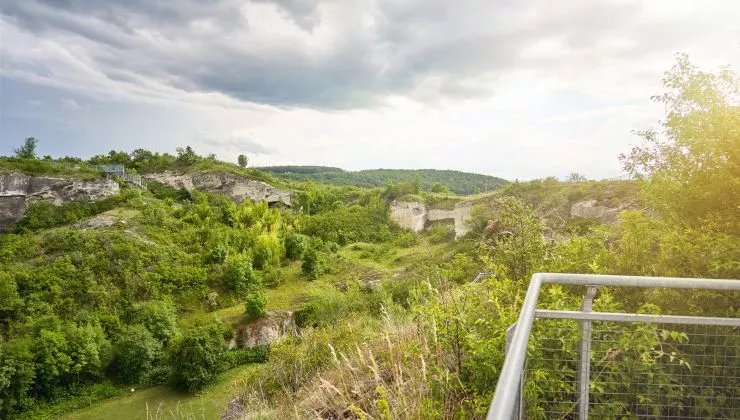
[272, 277]
[405, 239]
[197, 357]
[135, 353]
[256, 303]
[44, 215]
[440, 233]
[159, 317]
[312, 266]
[240, 276]
[267, 250]
[243, 356]
[295, 245]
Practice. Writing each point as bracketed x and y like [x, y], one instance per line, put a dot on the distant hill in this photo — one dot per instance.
[457, 181]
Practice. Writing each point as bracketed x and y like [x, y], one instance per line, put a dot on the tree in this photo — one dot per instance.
[576, 177]
[439, 187]
[416, 184]
[197, 356]
[28, 150]
[17, 375]
[135, 353]
[10, 301]
[187, 155]
[159, 317]
[243, 161]
[52, 361]
[256, 303]
[691, 168]
[523, 250]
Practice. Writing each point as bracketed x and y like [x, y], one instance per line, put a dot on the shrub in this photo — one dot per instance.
[135, 353]
[256, 303]
[240, 276]
[197, 356]
[272, 277]
[243, 356]
[218, 253]
[405, 239]
[159, 317]
[311, 266]
[440, 233]
[267, 250]
[295, 245]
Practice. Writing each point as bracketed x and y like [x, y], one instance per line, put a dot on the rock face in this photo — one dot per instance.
[591, 210]
[414, 215]
[267, 330]
[236, 187]
[17, 191]
[100, 221]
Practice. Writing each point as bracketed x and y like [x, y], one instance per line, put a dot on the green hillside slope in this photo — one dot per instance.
[457, 181]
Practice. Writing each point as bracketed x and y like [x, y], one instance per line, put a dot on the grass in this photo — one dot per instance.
[40, 167]
[164, 402]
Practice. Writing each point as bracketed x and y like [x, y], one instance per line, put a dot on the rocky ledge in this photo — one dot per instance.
[17, 191]
[237, 187]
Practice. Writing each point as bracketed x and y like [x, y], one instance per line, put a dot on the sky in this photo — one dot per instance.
[515, 89]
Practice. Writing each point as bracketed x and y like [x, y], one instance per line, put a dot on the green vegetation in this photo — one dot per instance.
[429, 179]
[389, 323]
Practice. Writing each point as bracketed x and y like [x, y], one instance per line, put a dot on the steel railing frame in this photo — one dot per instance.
[506, 397]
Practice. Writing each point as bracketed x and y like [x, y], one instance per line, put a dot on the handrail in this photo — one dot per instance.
[505, 396]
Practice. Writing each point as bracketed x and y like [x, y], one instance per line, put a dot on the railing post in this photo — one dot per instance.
[584, 355]
[517, 414]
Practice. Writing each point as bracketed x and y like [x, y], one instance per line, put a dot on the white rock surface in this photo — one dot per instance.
[589, 209]
[236, 187]
[270, 329]
[413, 215]
[18, 190]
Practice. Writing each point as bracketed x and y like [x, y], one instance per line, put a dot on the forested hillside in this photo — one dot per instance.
[458, 182]
[137, 305]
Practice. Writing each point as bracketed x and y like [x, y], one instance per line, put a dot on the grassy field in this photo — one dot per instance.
[163, 402]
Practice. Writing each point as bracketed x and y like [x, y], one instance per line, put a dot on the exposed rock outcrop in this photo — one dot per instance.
[589, 209]
[270, 329]
[101, 221]
[236, 187]
[17, 191]
[414, 215]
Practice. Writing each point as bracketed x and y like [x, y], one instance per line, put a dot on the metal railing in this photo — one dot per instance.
[120, 172]
[572, 364]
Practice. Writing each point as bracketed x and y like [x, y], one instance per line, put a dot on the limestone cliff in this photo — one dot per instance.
[414, 215]
[17, 191]
[236, 187]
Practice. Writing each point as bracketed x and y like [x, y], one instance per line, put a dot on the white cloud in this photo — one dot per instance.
[506, 88]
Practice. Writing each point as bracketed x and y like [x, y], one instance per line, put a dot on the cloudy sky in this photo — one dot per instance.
[517, 89]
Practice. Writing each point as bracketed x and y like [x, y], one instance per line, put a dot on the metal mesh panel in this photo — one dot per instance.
[637, 370]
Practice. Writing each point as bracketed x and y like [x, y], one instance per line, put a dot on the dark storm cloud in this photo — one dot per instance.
[408, 43]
